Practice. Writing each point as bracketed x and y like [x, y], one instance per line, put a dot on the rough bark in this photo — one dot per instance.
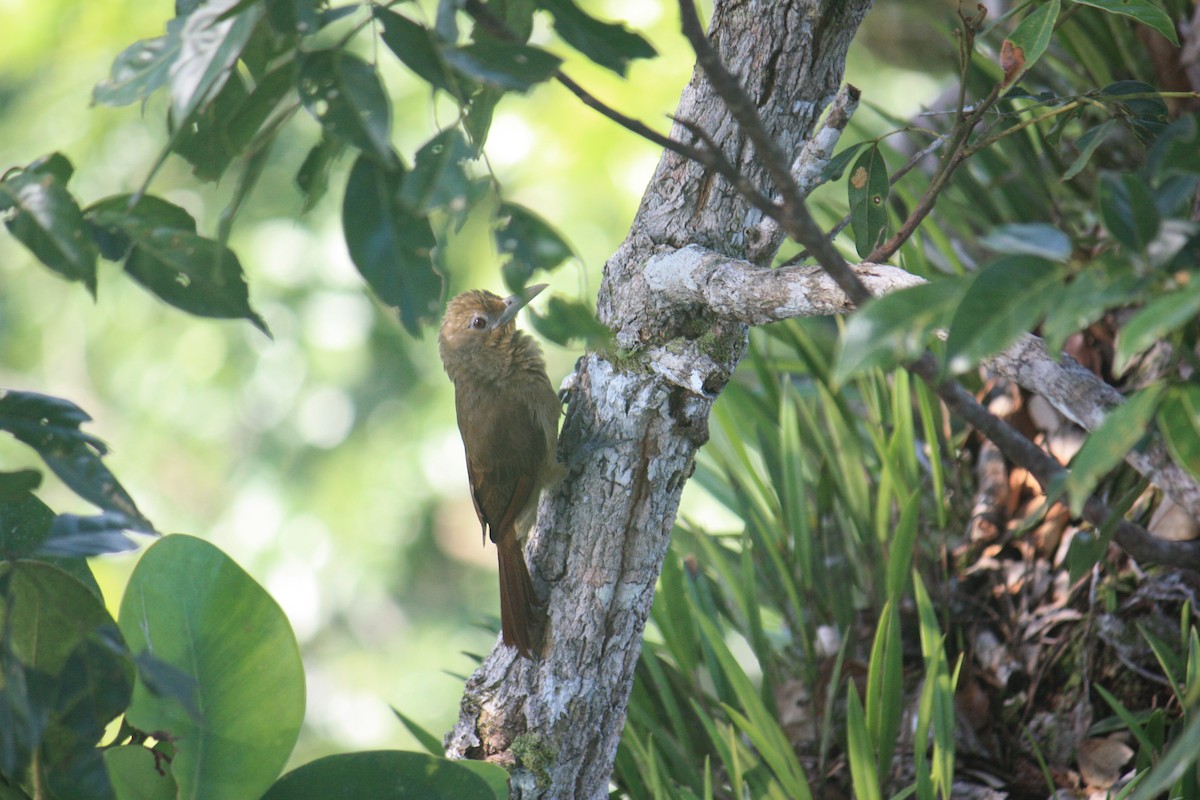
[634, 423]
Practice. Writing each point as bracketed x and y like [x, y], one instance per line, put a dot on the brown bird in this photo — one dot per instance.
[508, 418]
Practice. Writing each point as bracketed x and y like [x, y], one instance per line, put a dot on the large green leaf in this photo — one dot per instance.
[136, 774]
[1089, 295]
[391, 246]
[1107, 445]
[609, 45]
[438, 178]
[1179, 423]
[344, 93]
[504, 65]
[46, 219]
[393, 774]
[1006, 300]
[1156, 320]
[868, 188]
[1127, 210]
[193, 608]
[895, 327]
[1146, 12]
[1029, 238]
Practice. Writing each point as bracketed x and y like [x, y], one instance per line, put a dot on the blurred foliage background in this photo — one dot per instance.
[326, 461]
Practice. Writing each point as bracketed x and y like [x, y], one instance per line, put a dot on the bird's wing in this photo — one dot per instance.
[505, 451]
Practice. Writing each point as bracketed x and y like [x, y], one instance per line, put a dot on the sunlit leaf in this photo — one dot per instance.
[868, 189]
[1146, 12]
[504, 65]
[608, 44]
[1005, 300]
[211, 41]
[196, 610]
[1106, 446]
[1179, 423]
[1156, 320]
[45, 218]
[1127, 209]
[140, 69]
[391, 246]
[1029, 238]
[344, 93]
[895, 327]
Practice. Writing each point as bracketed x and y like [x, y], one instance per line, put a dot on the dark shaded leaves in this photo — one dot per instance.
[531, 243]
[609, 45]
[1127, 210]
[567, 320]
[504, 65]
[344, 93]
[391, 246]
[418, 49]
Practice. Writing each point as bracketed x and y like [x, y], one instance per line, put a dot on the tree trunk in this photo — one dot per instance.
[635, 421]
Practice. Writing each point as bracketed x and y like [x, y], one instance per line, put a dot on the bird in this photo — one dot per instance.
[507, 415]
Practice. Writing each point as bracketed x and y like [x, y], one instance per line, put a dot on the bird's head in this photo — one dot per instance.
[478, 328]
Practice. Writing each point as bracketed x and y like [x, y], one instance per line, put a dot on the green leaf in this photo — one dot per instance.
[567, 320]
[1127, 210]
[1005, 300]
[504, 65]
[1155, 321]
[47, 220]
[50, 425]
[438, 179]
[1029, 238]
[344, 93]
[1088, 296]
[136, 774]
[391, 246]
[197, 275]
[211, 42]
[431, 743]
[115, 224]
[477, 120]
[313, 176]
[1176, 151]
[1029, 41]
[392, 774]
[1146, 12]
[609, 45]
[859, 750]
[140, 69]
[530, 241]
[1088, 143]
[896, 327]
[1179, 423]
[837, 165]
[419, 50]
[868, 189]
[1146, 112]
[1106, 446]
[196, 610]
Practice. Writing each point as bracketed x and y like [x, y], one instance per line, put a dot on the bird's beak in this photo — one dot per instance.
[514, 303]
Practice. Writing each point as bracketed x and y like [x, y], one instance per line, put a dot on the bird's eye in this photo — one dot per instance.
[479, 323]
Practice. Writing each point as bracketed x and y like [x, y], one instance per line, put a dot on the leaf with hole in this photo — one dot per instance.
[1005, 300]
[197, 275]
[868, 189]
[419, 50]
[438, 178]
[608, 44]
[531, 243]
[344, 93]
[140, 69]
[390, 245]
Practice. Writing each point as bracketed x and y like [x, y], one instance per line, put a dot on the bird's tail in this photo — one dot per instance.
[517, 599]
